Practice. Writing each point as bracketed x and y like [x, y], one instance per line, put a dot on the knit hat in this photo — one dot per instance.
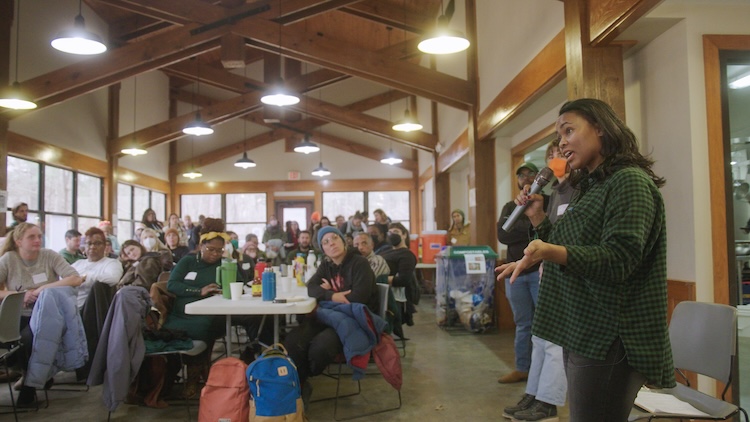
[315, 216]
[329, 229]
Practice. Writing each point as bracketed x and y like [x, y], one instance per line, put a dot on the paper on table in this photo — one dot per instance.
[665, 403]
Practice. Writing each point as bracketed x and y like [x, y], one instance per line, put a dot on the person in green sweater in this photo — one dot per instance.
[72, 250]
[192, 280]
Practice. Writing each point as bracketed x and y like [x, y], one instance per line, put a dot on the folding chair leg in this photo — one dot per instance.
[10, 388]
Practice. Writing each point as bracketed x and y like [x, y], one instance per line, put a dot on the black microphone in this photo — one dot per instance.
[540, 181]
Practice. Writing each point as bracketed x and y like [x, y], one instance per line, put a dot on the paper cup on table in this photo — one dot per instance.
[285, 284]
[236, 290]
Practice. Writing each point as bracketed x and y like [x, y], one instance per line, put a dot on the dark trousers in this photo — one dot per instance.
[601, 390]
[312, 346]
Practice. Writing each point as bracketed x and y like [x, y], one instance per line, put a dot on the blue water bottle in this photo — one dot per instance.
[269, 285]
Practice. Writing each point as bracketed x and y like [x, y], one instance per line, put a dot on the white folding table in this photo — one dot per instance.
[248, 305]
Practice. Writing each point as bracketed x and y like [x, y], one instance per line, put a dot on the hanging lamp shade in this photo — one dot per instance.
[307, 146]
[443, 40]
[197, 127]
[134, 150]
[192, 174]
[244, 162]
[407, 124]
[14, 98]
[321, 171]
[278, 96]
[391, 158]
[78, 40]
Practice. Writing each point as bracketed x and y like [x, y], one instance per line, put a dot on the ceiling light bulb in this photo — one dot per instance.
[443, 40]
[192, 174]
[12, 97]
[134, 151]
[391, 158]
[321, 171]
[78, 40]
[244, 162]
[407, 124]
[197, 127]
[306, 146]
[277, 96]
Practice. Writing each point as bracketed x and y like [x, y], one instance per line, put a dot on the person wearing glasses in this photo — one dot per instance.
[96, 266]
[522, 295]
[192, 279]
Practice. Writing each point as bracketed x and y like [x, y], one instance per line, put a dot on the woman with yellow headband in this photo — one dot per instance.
[191, 280]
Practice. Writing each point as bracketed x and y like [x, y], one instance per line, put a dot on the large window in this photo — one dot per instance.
[243, 213]
[132, 202]
[58, 199]
[342, 203]
[394, 203]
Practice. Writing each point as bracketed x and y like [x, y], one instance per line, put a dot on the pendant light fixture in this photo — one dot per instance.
[197, 127]
[134, 149]
[321, 171]
[12, 96]
[307, 146]
[391, 158]
[244, 162]
[408, 123]
[443, 40]
[192, 173]
[278, 95]
[78, 40]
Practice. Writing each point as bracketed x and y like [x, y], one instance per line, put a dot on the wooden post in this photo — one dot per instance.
[113, 132]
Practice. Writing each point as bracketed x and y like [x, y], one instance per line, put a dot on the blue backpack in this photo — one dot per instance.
[274, 387]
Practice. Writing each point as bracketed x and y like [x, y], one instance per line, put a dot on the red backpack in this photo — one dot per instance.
[226, 396]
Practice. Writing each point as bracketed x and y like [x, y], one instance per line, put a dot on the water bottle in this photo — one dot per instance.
[269, 285]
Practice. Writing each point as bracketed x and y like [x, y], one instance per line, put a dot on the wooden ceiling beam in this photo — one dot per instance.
[353, 60]
[352, 148]
[97, 72]
[364, 122]
[171, 130]
[304, 10]
[397, 17]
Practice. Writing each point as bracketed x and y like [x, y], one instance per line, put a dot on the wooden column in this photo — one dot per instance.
[592, 72]
[482, 193]
[7, 12]
[173, 202]
[113, 133]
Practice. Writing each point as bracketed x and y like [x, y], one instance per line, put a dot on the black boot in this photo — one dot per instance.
[27, 397]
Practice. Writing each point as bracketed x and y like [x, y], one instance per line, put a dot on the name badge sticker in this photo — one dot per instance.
[39, 278]
[561, 209]
[191, 275]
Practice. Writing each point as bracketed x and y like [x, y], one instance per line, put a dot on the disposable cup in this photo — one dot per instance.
[285, 284]
[236, 290]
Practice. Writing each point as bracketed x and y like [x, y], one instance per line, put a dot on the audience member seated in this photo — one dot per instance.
[273, 231]
[26, 266]
[324, 221]
[108, 251]
[178, 251]
[355, 225]
[274, 252]
[149, 221]
[292, 237]
[342, 277]
[251, 254]
[192, 280]
[150, 240]
[142, 268]
[381, 219]
[72, 250]
[138, 230]
[303, 247]
[379, 234]
[106, 227]
[96, 267]
[174, 222]
[363, 243]
[402, 262]
[20, 213]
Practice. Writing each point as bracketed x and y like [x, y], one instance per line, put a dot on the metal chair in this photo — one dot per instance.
[383, 291]
[703, 337]
[10, 335]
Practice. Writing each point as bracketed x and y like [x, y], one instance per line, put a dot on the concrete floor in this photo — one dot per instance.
[448, 376]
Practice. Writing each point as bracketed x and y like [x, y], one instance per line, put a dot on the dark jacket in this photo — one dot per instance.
[518, 237]
[353, 274]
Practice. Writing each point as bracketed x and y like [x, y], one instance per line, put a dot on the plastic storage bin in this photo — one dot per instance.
[463, 295]
[432, 243]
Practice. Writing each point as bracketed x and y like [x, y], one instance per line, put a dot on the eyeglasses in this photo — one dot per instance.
[213, 250]
[97, 244]
[529, 175]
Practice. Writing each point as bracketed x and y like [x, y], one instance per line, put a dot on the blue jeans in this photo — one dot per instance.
[601, 390]
[522, 295]
[547, 373]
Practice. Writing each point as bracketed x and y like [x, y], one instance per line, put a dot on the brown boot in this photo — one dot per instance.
[515, 376]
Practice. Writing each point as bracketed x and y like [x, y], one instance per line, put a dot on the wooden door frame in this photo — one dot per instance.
[279, 204]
